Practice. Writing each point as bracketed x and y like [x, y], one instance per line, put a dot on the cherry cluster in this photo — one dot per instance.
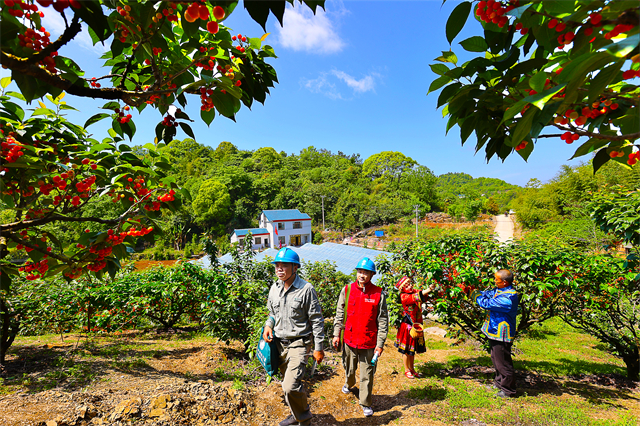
[11, 150]
[35, 270]
[494, 11]
[36, 38]
[569, 137]
[169, 121]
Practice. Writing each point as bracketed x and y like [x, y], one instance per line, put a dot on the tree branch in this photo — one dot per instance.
[37, 248]
[629, 137]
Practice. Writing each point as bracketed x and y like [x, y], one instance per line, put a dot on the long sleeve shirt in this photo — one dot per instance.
[295, 312]
[382, 318]
[502, 309]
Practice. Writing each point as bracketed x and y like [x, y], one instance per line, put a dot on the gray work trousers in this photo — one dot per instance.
[293, 365]
[351, 359]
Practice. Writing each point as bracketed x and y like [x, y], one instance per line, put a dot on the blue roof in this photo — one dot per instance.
[345, 257]
[292, 214]
[254, 231]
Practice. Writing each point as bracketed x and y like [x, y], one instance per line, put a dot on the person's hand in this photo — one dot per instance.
[378, 351]
[268, 334]
[318, 356]
[335, 342]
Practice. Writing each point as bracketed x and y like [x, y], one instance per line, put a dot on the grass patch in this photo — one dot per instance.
[557, 349]
[547, 410]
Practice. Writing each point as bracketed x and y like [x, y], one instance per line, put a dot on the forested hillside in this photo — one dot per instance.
[463, 195]
[561, 208]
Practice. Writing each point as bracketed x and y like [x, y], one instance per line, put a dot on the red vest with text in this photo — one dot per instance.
[361, 327]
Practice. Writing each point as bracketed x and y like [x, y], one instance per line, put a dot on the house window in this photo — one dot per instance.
[257, 240]
[297, 225]
[266, 241]
[281, 240]
[280, 226]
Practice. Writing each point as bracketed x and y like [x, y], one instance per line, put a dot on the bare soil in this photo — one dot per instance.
[173, 380]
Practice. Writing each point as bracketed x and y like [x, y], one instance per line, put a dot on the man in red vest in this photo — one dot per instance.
[362, 315]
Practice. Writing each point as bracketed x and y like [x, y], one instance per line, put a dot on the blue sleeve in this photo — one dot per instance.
[502, 303]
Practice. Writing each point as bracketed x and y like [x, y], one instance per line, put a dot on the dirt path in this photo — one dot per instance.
[504, 228]
[178, 380]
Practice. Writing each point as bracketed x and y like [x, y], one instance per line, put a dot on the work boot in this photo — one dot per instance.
[289, 421]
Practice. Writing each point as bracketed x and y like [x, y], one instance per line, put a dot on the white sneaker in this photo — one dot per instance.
[367, 411]
[345, 389]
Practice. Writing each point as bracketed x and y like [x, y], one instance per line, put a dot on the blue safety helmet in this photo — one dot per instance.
[286, 255]
[367, 264]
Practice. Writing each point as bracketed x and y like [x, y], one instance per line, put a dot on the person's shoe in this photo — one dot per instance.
[416, 375]
[409, 375]
[289, 421]
[367, 411]
[345, 389]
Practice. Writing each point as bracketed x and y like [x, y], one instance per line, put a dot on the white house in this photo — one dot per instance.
[261, 237]
[286, 227]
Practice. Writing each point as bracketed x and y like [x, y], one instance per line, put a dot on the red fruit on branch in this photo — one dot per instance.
[218, 13]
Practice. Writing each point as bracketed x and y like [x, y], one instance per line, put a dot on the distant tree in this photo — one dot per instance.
[211, 205]
[388, 164]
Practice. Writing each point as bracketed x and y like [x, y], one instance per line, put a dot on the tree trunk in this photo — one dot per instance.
[632, 360]
[9, 329]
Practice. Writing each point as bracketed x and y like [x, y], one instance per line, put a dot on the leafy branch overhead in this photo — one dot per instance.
[549, 69]
[160, 52]
[54, 178]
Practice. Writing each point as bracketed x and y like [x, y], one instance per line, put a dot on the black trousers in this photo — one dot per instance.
[505, 379]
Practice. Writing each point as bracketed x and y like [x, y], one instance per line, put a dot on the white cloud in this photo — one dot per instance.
[331, 83]
[363, 85]
[323, 86]
[304, 31]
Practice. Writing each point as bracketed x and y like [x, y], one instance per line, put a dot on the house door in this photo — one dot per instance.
[295, 240]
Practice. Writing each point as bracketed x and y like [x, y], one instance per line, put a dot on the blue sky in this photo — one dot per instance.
[353, 78]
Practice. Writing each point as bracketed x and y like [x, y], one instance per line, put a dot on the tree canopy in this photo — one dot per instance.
[564, 66]
[54, 176]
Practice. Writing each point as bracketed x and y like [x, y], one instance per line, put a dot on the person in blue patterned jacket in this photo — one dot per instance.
[501, 304]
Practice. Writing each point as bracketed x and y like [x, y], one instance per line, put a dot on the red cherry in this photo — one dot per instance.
[213, 26]
[218, 13]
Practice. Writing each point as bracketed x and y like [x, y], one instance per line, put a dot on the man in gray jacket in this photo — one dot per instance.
[296, 322]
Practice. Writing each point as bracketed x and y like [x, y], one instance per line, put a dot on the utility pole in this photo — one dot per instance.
[416, 206]
[322, 196]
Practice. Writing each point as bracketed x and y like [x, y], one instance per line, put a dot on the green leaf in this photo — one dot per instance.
[439, 69]
[513, 110]
[208, 116]
[540, 99]
[589, 146]
[187, 129]
[526, 151]
[600, 159]
[95, 118]
[16, 95]
[226, 104]
[457, 19]
[474, 44]
[630, 122]
[447, 93]
[624, 47]
[523, 127]
[438, 83]
[603, 79]
[448, 57]
[5, 81]
[537, 81]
